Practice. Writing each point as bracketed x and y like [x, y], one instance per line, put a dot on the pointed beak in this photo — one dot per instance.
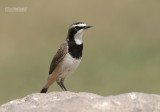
[86, 27]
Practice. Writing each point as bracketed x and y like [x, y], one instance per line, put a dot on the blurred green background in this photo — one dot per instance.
[121, 52]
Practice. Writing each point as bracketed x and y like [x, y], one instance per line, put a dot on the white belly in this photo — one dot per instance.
[68, 65]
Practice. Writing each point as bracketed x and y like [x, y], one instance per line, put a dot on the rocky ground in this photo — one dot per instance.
[84, 102]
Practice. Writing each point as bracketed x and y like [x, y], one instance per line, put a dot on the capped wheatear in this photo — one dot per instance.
[68, 56]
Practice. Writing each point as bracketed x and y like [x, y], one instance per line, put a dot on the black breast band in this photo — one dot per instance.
[75, 50]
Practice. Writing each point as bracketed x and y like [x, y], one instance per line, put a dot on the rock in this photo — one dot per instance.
[84, 102]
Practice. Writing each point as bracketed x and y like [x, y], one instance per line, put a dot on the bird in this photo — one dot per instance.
[68, 56]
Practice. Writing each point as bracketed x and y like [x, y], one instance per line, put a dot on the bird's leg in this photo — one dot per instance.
[61, 82]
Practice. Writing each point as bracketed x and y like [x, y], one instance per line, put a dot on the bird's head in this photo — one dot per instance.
[76, 31]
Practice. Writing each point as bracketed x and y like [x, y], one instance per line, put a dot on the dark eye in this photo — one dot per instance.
[76, 27]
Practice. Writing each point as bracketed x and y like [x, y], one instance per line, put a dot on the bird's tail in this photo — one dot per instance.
[50, 81]
[44, 90]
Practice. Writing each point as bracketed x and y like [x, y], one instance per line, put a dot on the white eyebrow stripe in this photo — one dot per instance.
[78, 25]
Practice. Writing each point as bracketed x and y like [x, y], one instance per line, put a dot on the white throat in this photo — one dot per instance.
[78, 36]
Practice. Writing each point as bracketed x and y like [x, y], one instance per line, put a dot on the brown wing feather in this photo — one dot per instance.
[62, 51]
